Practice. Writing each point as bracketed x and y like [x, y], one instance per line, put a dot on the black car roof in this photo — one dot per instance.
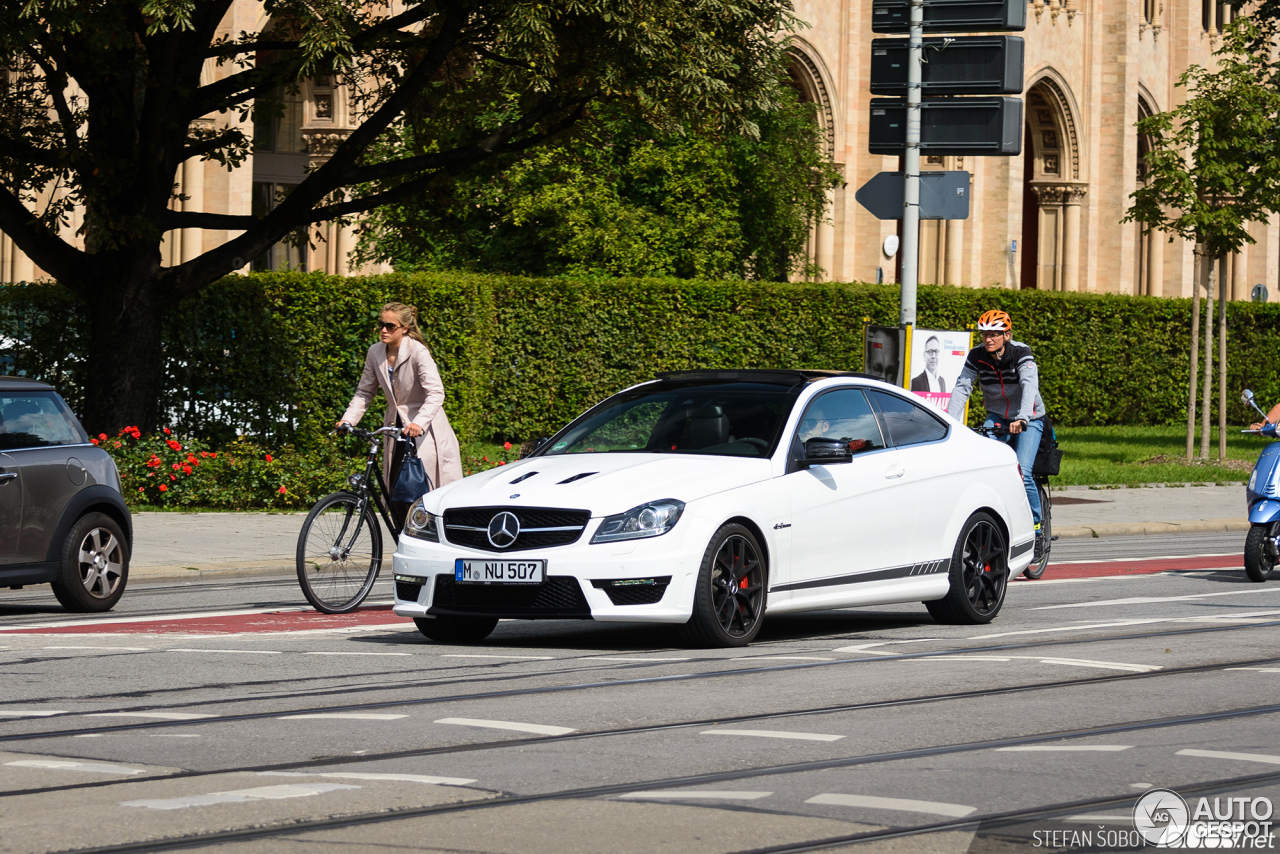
[23, 384]
[771, 377]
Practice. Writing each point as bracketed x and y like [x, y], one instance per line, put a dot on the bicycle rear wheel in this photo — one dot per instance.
[1036, 569]
[339, 554]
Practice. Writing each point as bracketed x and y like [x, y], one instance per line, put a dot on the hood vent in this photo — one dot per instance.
[579, 476]
[524, 477]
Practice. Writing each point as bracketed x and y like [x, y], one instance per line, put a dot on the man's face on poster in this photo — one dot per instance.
[932, 350]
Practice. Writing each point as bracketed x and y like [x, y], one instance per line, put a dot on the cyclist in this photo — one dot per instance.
[1010, 380]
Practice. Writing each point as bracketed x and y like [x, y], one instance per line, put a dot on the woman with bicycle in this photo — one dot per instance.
[401, 365]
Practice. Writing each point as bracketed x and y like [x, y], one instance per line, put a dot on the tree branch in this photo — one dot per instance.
[237, 48]
[54, 255]
[172, 220]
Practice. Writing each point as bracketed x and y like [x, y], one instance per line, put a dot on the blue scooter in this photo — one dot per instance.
[1262, 546]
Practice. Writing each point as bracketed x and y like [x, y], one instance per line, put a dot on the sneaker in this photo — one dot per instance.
[1039, 552]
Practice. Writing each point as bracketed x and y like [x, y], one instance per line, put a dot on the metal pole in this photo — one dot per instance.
[910, 248]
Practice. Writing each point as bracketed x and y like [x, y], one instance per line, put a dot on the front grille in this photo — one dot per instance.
[648, 591]
[557, 597]
[468, 526]
[407, 592]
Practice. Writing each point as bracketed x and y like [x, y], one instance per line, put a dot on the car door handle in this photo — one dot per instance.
[7, 476]
[894, 472]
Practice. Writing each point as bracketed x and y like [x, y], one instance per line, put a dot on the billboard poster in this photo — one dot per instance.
[936, 358]
[883, 347]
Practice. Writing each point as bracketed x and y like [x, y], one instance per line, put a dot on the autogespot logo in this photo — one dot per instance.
[1161, 817]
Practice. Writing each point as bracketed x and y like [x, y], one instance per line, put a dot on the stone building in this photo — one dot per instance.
[1093, 67]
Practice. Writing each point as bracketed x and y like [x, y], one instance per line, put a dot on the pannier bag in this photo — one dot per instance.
[1048, 455]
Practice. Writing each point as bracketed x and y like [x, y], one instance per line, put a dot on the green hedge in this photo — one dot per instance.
[276, 356]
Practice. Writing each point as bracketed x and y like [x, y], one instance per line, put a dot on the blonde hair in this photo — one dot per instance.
[408, 317]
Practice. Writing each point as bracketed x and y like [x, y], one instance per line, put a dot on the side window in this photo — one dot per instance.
[907, 423]
[842, 414]
[36, 421]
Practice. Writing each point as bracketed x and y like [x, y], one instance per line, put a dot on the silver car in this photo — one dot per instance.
[63, 520]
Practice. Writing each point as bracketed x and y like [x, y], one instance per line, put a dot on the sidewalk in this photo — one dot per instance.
[205, 546]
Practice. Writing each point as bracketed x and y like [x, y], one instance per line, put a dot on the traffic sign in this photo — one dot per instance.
[949, 126]
[951, 16]
[943, 195]
[966, 65]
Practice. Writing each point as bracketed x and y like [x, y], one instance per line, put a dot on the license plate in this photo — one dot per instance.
[499, 571]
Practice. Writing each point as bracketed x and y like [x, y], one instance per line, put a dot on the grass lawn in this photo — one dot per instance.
[1123, 456]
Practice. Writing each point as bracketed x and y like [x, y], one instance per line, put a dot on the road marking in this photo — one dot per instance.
[234, 651]
[1066, 748]
[395, 778]
[164, 716]
[115, 621]
[963, 658]
[30, 713]
[1257, 615]
[241, 796]
[863, 647]
[780, 658]
[1066, 662]
[515, 657]
[357, 653]
[1147, 600]
[1100, 819]
[772, 733]
[620, 658]
[1222, 754]
[897, 804]
[1256, 669]
[700, 793]
[540, 729]
[64, 765]
[110, 648]
[353, 716]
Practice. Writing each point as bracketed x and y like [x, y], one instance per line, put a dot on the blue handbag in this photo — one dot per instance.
[412, 482]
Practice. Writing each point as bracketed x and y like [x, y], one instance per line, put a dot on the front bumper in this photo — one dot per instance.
[579, 580]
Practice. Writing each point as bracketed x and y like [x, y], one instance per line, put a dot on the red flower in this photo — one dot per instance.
[506, 446]
[141, 489]
[166, 431]
[164, 488]
[173, 477]
[102, 437]
[93, 441]
[186, 469]
[115, 444]
[204, 453]
[213, 456]
[173, 446]
[281, 491]
[268, 458]
[501, 463]
[486, 459]
[175, 466]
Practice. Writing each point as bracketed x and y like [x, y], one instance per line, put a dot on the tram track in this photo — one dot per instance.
[500, 801]
[569, 688]
[518, 743]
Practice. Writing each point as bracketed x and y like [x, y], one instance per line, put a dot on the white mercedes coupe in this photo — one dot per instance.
[710, 498]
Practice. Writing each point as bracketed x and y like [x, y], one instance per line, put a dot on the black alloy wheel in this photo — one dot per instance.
[1260, 555]
[979, 575]
[728, 604]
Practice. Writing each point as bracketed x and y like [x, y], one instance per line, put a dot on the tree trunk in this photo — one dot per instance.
[125, 353]
[1208, 361]
[1195, 352]
[1223, 287]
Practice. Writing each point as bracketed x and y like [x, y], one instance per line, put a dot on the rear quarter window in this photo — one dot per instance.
[37, 420]
[907, 423]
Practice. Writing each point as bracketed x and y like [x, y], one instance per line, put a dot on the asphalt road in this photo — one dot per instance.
[225, 717]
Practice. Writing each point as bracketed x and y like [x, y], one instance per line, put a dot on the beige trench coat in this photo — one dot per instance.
[417, 396]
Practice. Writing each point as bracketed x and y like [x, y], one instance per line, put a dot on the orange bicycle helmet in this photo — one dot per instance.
[995, 321]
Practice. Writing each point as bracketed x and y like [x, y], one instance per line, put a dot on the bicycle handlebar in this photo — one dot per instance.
[368, 435]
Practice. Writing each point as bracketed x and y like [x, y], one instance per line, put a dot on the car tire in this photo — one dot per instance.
[727, 612]
[461, 630]
[979, 575]
[93, 565]
[1258, 564]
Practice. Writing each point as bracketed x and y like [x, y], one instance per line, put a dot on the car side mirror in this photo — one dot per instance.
[824, 452]
[530, 446]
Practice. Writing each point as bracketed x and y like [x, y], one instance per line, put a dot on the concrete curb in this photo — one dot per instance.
[213, 571]
[1122, 529]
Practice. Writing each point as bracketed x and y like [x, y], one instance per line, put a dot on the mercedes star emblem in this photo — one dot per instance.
[503, 529]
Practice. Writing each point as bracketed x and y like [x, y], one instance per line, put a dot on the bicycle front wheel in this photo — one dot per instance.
[1037, 569]
[339, 553]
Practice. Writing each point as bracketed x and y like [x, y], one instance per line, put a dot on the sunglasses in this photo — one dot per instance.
[389, 327]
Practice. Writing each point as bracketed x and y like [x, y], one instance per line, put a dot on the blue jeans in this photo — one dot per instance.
[1025, 444]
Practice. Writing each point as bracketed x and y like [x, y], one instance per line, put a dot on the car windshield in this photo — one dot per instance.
[721, 418]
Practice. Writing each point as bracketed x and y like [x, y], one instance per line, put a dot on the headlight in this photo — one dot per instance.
[648, 520]
[421, 524]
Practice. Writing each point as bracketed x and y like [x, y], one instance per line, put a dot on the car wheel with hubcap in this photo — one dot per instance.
[1260, 553]
[94, 565]
[465, 630]
[729, 600]
[979, 575]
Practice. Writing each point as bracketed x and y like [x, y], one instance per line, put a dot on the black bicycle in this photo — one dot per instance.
[340, 546]
[1036, 568]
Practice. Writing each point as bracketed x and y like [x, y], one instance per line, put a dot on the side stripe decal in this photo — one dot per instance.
[1021, 549]
[931, 567]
